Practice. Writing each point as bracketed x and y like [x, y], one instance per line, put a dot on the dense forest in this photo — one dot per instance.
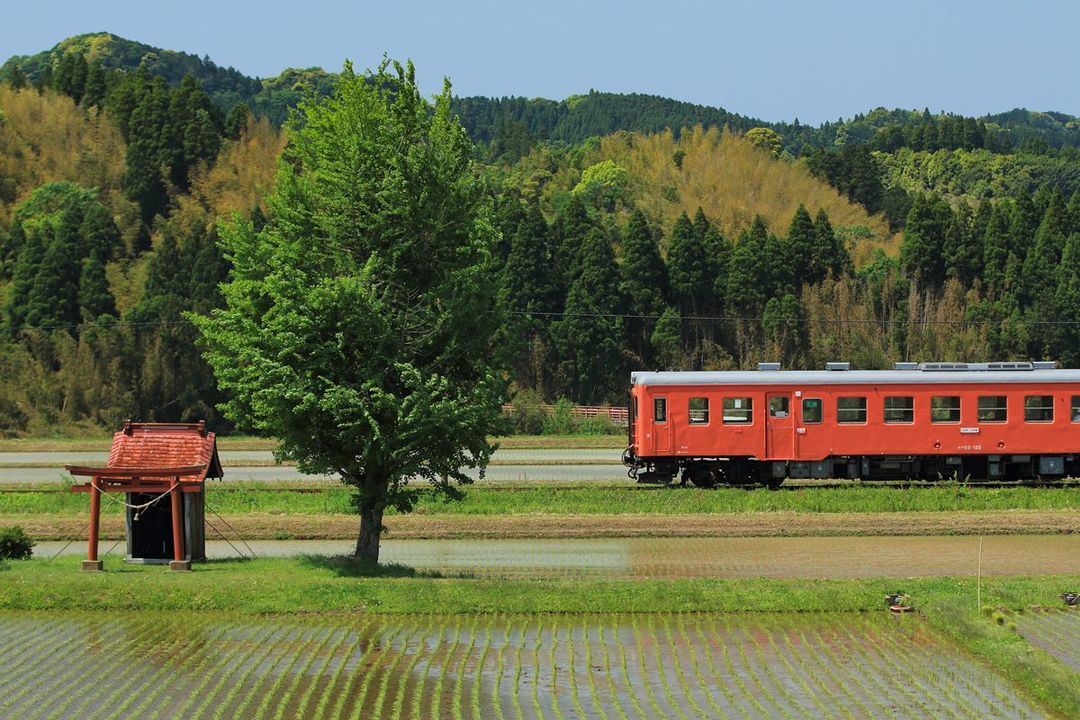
[636, 232]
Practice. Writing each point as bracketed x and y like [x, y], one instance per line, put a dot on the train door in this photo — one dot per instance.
[779, 426]
[661, 426]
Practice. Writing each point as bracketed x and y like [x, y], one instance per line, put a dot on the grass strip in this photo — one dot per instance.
[580, 499]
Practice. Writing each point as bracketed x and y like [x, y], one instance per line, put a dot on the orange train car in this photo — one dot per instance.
[994, 421]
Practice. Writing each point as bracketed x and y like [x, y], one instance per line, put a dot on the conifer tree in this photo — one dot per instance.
[922, 250]
[802, 242]
[25, 271]
[644, 282]
[146, 158]
[1066, 347]
[688, 268]
[666, 340]
[237, 121]
[748, 277]
[53, 300]
[830, 254]
[96, 87]
[94, 298]
[572, 226]
[996, 249]
[963, 249]
[589, 335]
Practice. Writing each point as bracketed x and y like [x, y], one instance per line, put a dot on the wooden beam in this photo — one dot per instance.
[134, 472]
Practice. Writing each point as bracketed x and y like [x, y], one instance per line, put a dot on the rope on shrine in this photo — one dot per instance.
[137, 508]
[226, 523]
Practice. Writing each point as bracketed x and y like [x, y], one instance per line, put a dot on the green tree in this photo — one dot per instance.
[963, 248]
[94, 298]
[996, 249]
[666, 338]
[96, 86]
[644, 282]
[528, 295]
[767, 139]
[922, 251]
[603, 184]
[358, 323]
[237, 120]
[589, 335]
[802, 242]
[1067, 301]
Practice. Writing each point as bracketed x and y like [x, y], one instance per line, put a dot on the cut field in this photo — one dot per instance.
[525, 666]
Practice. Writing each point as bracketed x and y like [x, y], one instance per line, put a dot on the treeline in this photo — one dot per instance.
[588, 298]
[509, 126]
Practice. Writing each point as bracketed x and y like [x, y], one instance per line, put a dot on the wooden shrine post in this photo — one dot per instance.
[179, 563]
[91, 563]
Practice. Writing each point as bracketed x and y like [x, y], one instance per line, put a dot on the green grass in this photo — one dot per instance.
[583, 499]
[328, 585]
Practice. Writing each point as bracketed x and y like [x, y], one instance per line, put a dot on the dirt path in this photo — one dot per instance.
[334, 527]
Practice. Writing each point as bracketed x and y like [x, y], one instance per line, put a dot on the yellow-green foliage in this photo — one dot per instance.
[243, 173]
[733, 181]
[46, 137]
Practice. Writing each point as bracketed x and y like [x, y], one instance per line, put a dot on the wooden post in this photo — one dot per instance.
[179, 562]
[91, 563]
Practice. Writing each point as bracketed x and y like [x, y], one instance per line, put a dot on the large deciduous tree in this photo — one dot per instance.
[358, 322]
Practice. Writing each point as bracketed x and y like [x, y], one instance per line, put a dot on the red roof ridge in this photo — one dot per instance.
[154, 445]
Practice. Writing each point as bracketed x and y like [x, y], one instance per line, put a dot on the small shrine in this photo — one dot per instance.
[161, 470]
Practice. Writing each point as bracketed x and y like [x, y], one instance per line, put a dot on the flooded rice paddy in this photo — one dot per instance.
[1055, 631]
[776, 557]
[64, 665]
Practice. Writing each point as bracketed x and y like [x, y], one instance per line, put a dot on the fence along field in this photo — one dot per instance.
[520, 667]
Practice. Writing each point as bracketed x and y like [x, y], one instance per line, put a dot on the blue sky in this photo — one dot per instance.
[773, 59]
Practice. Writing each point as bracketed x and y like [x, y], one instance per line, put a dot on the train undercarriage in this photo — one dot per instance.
[709, 472]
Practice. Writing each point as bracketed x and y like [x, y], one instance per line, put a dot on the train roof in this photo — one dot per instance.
[857, 377]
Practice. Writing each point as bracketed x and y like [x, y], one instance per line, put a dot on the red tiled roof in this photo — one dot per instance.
[151, 445]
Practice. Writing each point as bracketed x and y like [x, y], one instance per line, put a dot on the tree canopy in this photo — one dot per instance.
[358, 323]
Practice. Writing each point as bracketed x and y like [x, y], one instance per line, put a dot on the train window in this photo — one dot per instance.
[779, 407]
[659, 410]
[738, 411]
[851, 410]
[1038, 408]
[699, 411]
[945, 409]
[1076, 408]
[811, 410]
[993, 409]
[900, 409]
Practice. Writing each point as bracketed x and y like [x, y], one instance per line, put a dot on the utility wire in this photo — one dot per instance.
[636, 316]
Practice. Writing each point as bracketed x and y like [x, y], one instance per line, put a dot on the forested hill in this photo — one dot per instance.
[513, 123]
[636, 232]
[269, 97]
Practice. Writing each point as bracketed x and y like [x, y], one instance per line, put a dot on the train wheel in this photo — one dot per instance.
[701, 477]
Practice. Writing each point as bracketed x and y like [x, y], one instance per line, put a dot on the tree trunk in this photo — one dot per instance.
[373, 494]
[367, 544]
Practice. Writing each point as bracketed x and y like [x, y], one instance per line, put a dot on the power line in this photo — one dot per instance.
[629, 316]
[805, 320]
